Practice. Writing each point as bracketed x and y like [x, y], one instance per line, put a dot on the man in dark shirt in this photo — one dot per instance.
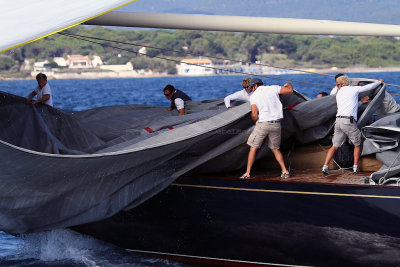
[177, 98]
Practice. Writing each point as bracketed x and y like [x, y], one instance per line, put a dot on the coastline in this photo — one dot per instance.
[134, 74]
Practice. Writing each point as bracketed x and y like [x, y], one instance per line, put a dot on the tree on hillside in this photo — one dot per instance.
[283, 50]
[6, 62]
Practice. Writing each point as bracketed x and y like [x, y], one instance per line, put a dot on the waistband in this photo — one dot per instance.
[347, 117]
[344, 117]
[275, 121]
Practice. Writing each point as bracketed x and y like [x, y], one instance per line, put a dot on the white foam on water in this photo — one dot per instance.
[68, 248]
[59, 245]
[366, 248]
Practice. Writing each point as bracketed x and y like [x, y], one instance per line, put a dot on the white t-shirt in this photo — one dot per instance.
[240, 95]
[334, 91]
[269, 106]
[179, 103]
[44, 91]
[347, 99]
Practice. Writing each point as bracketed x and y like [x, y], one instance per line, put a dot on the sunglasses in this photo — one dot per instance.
[167, 94]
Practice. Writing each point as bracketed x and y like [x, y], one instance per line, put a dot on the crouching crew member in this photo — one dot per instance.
[177, 98]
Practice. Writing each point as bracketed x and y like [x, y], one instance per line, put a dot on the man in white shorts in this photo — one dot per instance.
[346, 119]
[243, 95]
[42, 91]
[266, 111]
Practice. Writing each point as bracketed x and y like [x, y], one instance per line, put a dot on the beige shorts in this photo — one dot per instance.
[344, 128]
[263, 130]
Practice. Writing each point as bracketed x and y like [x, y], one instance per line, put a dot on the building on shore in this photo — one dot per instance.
[195, 67]
[201, 67]
[96, 61]
[118, 68]
[79, 62]
[61, 62]
[83, 67]
[40, 66]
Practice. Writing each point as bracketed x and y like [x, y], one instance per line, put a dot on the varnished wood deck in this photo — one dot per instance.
[305, 163]
[309, 176]
[306, 176]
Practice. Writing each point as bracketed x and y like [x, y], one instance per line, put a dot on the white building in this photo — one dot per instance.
[39, 66]
[79, 62]
[142, 51]
[60, 61]
[96, 61]
[118, 68]
[195, 67]
[26, 66]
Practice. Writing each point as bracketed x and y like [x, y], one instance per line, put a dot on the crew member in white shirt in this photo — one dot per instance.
[335, 89]
[177, 97]
[266, 112]
[388, 106]
[346, 119]
[243, 95]
[363, 100]
[43, 91]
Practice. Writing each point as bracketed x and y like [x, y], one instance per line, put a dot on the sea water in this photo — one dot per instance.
[64, 247]
[79, 94]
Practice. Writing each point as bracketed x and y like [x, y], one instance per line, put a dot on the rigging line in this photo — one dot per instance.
[214, 57]
[392, 85]
[382, 179]
[188, 53]
[207, 67]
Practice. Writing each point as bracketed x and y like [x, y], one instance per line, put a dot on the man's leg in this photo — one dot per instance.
[354, 135]
[279, 159]
[357, 153]
[330, 154]
[250, 160]
[255, 141]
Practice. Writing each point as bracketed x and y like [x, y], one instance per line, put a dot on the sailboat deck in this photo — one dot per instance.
[306, 176]
[335, 176]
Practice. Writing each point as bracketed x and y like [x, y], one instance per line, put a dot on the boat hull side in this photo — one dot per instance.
[248, 221]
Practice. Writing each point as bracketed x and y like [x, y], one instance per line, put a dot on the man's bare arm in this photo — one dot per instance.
[30, 96]
[43, 99]
[181, 111]
[286, 89]
[254, 112]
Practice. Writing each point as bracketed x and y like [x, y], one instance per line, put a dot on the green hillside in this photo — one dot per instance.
[278, 50]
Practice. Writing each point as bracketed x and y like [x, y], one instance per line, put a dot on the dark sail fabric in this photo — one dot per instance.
[63, 168]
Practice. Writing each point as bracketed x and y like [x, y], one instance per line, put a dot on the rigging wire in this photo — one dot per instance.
[90, 38]
[193, 54]
[383, 179]
[193, 64]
